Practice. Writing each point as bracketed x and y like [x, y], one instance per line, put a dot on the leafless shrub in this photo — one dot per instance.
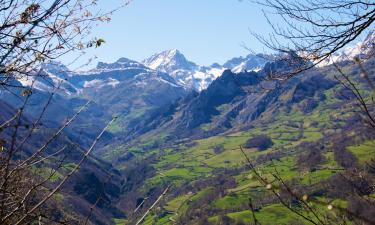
[314, 30]
[33, 33]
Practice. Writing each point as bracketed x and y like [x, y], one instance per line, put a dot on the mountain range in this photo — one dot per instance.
[181, 71]
[129, 89]
[180, 125]
[193, 76]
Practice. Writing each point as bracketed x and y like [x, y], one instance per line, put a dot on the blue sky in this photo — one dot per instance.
[206, 31]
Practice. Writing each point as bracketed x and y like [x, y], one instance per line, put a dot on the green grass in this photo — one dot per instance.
[48, 173]
[269, 215]
[188, 163]
[117, 125]
[176, 176]
[324, 171]
[69, 166]
[232, 200]
[364, 152]
[177, 202]
[120, 221]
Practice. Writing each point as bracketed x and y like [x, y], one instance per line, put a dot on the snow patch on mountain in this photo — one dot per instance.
[252, 62]
[361, 50]
[50, 77]
[169, 66]
[186, 73]
[57, 77]
[98, 83]
[193, 76]
[169, 61]
[29, 82]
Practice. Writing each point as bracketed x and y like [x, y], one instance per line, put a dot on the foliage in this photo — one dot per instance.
[261, 142]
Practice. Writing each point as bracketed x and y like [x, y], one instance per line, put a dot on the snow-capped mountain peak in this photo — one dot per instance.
[56, 67]
[171, 66]
[120, 64]
[185, 72]
[362, 50]
[168, 61]
[251, 62]
[366, 47]
[193, 76]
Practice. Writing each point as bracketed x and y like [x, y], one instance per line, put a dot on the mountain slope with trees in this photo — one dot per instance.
[285, 138]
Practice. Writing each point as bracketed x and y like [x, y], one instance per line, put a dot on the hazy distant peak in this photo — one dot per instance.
[55, 67]
[120, 64]
[251, 62]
